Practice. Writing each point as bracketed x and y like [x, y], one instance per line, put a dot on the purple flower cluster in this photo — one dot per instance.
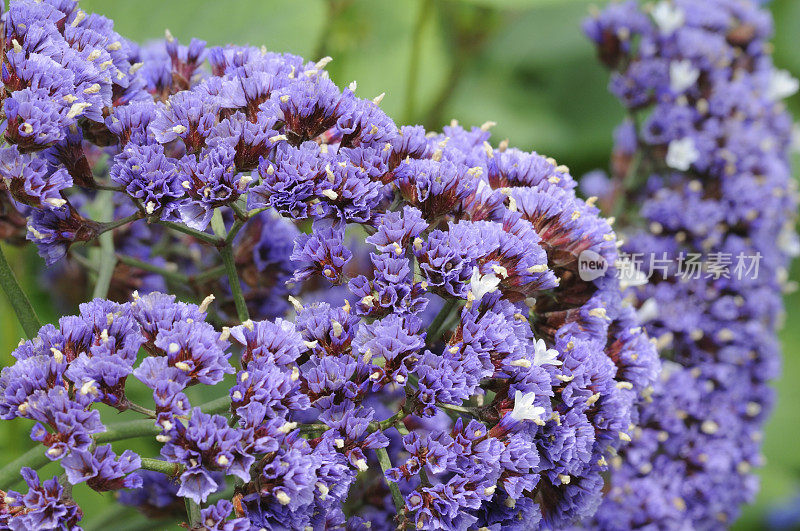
[423, 350]
[707, 145]
[43, 507]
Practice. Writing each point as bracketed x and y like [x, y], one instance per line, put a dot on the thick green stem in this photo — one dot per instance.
[220, 405]
[157, 465]
[19, 301]
[34, 458]
[237, 226]
[386, 464]
[192, 512]
[128, 430]
[226, 252]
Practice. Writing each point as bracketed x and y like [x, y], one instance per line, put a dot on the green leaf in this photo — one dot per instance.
[19, 301]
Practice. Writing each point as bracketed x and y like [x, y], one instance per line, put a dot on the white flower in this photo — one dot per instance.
[668, 18]
[788, 241]
[781, 85]
[544, 355]
[682, 75]
[524, 408]
[647, 311]
[480, 285]
[682, 153]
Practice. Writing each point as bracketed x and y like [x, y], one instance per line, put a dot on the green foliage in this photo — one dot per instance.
[521, 63]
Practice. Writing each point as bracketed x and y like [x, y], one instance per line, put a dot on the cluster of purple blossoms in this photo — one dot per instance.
[423, 349]
[705, 152]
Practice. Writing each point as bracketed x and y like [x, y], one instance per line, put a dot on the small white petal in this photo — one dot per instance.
[682, 75]
[682, 153]
[668, 17]
[781, 85]
[524, 408]
[480, 285]
[544, 355]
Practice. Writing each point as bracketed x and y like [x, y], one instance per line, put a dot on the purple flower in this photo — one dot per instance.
[277, 342]
[33, 120]
[31, 181]
[700, 73]
[215, 517]
[55, 230]
[195, 349]
[204, 445]
[322, 252]
[188, 116]
[149, 176]
[436, 187]
[41, 508]
[102, 470]
[396, 229]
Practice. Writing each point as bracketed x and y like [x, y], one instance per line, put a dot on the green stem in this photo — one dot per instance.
[157, 465]
[192, 512]
[128, 430]
[386, 464]
[108, 262]
[141, 409]
[458, 409]
[435, 330]
[226, 252]
[152, 268]
[388, 423]
[220, 405]
[111, 225]
[413, 64]
[233, 280]
[103, 207]
[239, 211]
[109, 187]
[235, 228]
[325, 33]
[214, 272]
[202, 236]
[34, 458]
[627, 183]
[19, 301]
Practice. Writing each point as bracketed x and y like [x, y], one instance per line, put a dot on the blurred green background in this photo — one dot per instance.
[521, 63]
